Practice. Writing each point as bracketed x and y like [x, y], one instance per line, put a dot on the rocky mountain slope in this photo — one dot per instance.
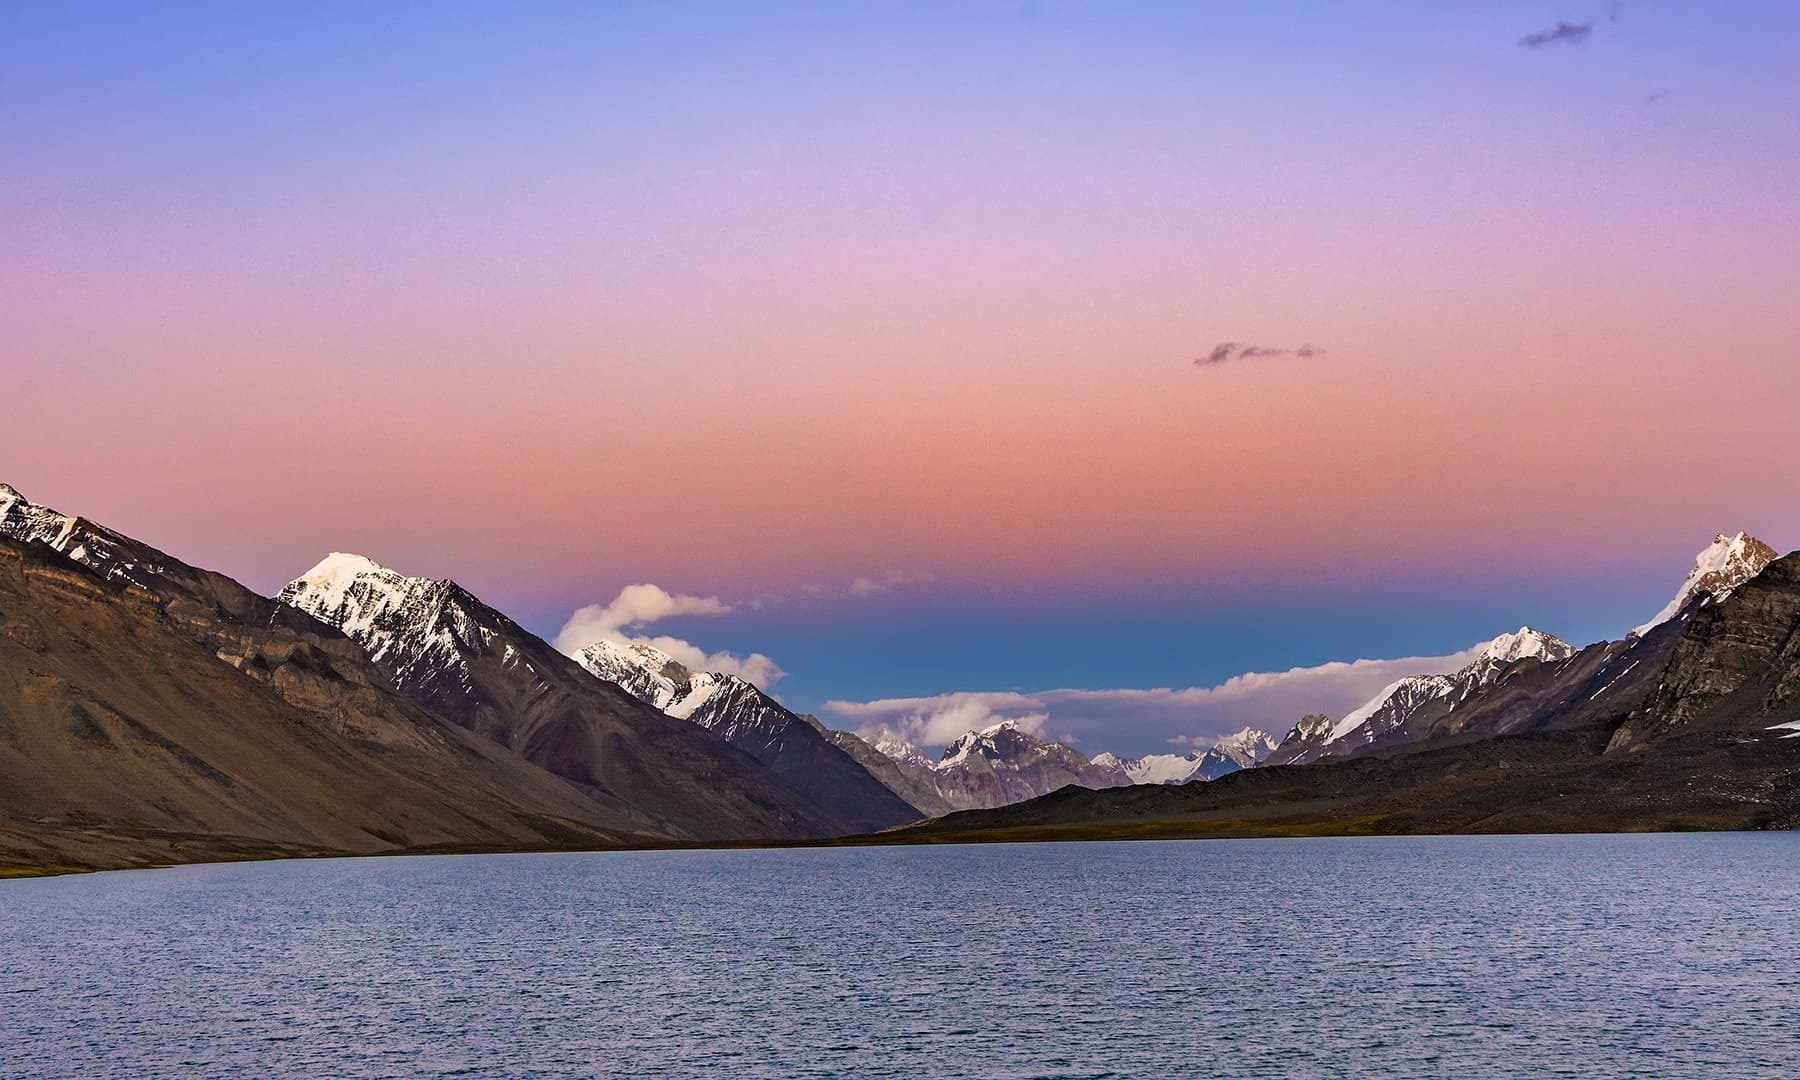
[127, 738]
[1403, 711]
[465, 661]
[1721, 566]
[916, 784]
[798, 751]
[1505, 688]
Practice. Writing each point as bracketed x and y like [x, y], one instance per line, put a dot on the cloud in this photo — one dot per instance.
[1561, 34]
[1133, 721]
[941, 719]
[1232, 350]
[1655, 96]
[637, 606]
[890, 579]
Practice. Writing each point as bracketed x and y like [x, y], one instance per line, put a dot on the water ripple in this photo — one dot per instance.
[1647, 956]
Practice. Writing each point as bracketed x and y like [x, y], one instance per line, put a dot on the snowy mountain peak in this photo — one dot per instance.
[110, 554]
[412, 625]
[1249, 743]
[1720, 567]
[1525, 642]
[1240, 750]
[1402, 699]
[641, 670]
[337, 573]
[893, 746]
[340, 565]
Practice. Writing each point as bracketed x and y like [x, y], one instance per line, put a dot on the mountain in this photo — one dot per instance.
[799, 752]
[1403, 710]
[1722, 566]
[1690, 725]
[1307, 737]
[1244, 750]
[1734, 668]
[465, 661]
[997, 765]
[143, 721]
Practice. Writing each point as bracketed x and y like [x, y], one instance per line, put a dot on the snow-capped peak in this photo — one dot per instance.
[1249, 743]
[1525, 642]
[100, 549]
[1492, 659]
[891, 744]
[1240, 750]
[1721, 566]
[337, 572]
[412, 625]
[641, 670]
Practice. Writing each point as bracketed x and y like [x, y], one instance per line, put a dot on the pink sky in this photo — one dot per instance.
[846, 324]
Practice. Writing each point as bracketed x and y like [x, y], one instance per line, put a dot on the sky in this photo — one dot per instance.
[877, 338]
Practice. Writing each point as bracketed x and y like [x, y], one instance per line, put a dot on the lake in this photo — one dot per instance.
[1665, 955]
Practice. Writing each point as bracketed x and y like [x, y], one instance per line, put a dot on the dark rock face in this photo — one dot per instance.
[1736, 667]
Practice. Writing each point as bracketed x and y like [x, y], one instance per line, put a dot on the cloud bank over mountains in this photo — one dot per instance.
[1136, 721]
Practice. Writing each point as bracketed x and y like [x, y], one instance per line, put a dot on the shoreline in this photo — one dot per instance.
[912, 836]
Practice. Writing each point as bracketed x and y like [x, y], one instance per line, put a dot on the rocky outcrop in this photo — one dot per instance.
[1736, 666]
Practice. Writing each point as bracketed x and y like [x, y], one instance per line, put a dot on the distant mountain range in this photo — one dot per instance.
[1689, 721]
[152, 711]
[1244, 750]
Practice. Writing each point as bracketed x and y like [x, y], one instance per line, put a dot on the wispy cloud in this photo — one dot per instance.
[1138, 721]
[871, 585]
[1232, 350]
[1563, 33]
[636, 607]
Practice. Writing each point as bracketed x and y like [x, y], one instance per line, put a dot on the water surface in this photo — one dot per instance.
[1429, 956]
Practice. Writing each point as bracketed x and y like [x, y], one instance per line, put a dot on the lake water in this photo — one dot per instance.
[1672, 956]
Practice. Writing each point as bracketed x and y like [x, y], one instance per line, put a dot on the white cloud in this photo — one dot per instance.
[637, 606]
[888, 579]
[935, 721]
[1129, 721]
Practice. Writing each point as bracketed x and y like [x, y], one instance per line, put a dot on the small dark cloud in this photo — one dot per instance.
[1655, 96]
[1232, 350]
[1561, 34]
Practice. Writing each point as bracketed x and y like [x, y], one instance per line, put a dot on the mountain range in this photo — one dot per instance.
[1244, 750]
[1689, 721]
[152, 711]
